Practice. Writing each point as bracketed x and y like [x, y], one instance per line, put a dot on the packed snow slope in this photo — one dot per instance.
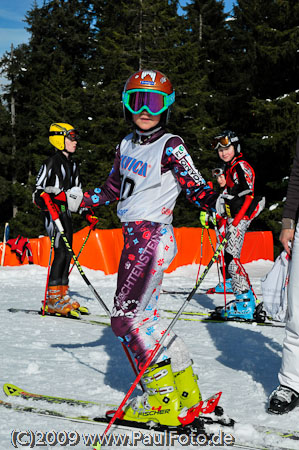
[69, 358]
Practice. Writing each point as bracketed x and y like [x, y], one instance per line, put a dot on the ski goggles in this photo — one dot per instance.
[222, 141]
[154, 102]
[72, 135]
[217, 172]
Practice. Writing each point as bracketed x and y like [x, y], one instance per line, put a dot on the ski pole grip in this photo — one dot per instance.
[50, 205]
[241, 213]
[93, 220]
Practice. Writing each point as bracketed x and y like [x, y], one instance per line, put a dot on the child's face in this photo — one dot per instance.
[70, 146]
[221, 180]
[226, 153]
[146, 121]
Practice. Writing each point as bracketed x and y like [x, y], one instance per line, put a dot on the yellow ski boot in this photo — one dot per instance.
[161, 402]
[186, 383]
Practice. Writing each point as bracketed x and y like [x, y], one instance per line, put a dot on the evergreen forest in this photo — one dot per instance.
[237, 72]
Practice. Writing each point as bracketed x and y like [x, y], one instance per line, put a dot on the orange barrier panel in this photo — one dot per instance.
[189, 247]
[103, 248]
[257, 245]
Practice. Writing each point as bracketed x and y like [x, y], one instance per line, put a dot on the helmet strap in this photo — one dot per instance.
[68, 154]
[140, 136]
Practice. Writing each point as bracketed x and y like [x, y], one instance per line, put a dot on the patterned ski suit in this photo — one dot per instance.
[146, 179]
[240, 178]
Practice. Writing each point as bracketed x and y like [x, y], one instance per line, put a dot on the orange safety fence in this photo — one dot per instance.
[103, 248]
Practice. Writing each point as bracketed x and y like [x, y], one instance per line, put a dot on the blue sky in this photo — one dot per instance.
[12, 15]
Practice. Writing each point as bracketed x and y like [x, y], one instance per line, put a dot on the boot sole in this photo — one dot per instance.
[73, 314]
[289, 408]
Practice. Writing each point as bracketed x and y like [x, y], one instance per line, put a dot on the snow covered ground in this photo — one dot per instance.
[67, 358]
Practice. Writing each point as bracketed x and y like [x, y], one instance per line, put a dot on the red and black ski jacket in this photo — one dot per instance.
[240, 178]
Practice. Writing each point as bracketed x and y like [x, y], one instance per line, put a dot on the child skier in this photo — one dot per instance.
[150, 169]
[219, 223]
[59, 177]
[237, 200]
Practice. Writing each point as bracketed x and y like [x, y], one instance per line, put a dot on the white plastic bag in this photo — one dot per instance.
[275, 287]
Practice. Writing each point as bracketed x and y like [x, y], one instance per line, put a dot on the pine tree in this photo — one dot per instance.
[199, 110]
[47, 83]
[128, 37]
[266, 59]
[205, 40]
[5, 166]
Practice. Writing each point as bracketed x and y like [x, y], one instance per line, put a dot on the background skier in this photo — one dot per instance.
[237, 200]
[60, 178]
[219, 223]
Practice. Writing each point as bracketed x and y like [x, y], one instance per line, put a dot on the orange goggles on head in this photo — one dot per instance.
[221, 141]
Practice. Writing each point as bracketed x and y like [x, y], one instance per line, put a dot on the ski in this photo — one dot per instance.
[10, 390]
[82, 319]
[196, 428]
[212, 413]
[165, 291]
[187, 313]
[207, 406]
[207, 316]
[191, 316]
[200, 426]
[211, 318]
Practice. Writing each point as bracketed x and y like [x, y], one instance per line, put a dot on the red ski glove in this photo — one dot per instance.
[52, 208]
[92, 219]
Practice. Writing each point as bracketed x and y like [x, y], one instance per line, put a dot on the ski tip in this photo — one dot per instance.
[84, 310]
[10, 389]
[74, 314]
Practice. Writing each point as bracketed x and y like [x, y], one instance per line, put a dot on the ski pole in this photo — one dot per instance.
[55, 216]
[201, 247]
[224, 280]
[221, 257]
[211, 243]
[91, 227]
[245, 274]
[166, 333]
[5, 239]
[80, 251]
[48, 274]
